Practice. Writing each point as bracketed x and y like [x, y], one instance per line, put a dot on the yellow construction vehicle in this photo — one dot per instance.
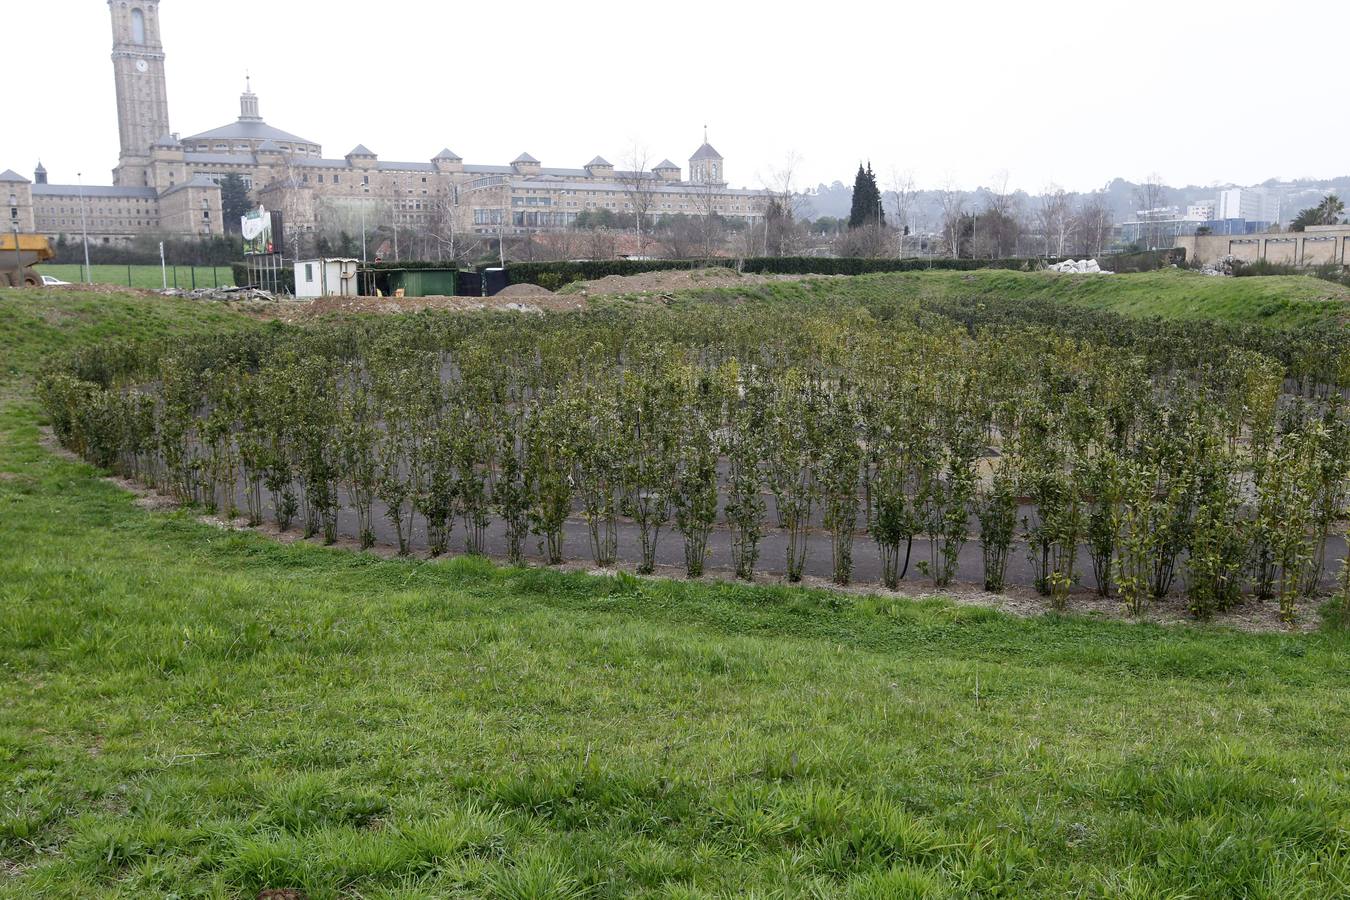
[16, 263]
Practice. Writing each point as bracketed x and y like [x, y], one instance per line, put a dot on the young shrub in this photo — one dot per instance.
[599, 465]
[694, 496]
[996, 508]
[896, 453]
[792, 460]
[742, 446]
[648, 403]
[549, 455]
[840, 465]
[1137, 544]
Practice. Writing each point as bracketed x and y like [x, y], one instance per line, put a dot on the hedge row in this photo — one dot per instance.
[554, 275]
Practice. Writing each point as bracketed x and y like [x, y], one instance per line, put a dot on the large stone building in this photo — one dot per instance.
[168, 184]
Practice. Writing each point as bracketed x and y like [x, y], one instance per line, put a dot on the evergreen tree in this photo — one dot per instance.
[866, 200]
[234, 202]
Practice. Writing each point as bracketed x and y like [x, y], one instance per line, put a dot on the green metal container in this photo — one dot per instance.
[424, 282]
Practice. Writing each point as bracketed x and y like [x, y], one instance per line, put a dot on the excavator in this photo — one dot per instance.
[16, 262]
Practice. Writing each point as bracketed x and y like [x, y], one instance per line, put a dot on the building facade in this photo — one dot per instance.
[169, 185]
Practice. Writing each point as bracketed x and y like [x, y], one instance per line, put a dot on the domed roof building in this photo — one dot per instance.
[249, 133]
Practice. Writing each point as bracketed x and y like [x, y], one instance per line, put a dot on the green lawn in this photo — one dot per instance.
[196, 713]
[148, 277]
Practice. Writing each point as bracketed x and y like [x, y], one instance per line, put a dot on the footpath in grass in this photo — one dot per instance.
[144, 277]
[194, 712]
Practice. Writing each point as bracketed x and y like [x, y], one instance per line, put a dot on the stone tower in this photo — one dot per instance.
[706, 166]
[142, 94]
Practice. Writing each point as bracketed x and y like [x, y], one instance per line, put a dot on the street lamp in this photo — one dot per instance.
[14, 223]
[84, 231]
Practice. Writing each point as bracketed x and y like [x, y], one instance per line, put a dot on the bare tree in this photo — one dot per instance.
[1092, 225]
[866, 241]
[903, 196]
[953, 203]
[600, 244]
[640, 187]
[781, 210]
[1000, 226]
[680, 235]
[713, 228]
[1055, 216]
[1149, 197]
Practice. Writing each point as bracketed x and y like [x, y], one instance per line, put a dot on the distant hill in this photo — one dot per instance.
[1121, 196]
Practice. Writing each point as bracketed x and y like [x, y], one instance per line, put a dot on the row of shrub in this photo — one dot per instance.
[1145, 462]
[554, 275]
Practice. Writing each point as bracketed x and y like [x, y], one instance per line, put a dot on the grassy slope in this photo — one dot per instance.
[210, 714]
[1282, 301]
[36, 323]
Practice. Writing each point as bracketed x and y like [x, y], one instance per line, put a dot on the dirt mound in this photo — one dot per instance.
[525, 290]
[675, 280]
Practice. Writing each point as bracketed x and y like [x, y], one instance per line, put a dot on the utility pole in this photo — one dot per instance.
[84, 231]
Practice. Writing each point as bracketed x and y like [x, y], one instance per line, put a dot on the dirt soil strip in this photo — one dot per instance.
[1018, 601]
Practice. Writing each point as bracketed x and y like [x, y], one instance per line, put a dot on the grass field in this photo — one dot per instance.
[147, 277]
[198, 713]
[1285, 301]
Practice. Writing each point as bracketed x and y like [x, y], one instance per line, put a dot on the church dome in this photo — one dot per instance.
[250, 129]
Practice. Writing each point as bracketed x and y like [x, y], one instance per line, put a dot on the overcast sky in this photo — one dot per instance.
[1075, 93]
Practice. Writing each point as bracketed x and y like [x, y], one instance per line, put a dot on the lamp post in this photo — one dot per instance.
[84, 231]
[18, 257]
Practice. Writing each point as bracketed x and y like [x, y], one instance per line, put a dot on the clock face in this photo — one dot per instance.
[141, 65]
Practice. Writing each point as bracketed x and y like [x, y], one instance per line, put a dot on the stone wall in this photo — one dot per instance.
[1319, 245]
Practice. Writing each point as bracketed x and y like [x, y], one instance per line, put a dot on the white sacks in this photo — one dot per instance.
[1079, 267]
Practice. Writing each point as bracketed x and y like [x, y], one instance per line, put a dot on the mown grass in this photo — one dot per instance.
[145, 277]
[199, 713]
[1277, 301]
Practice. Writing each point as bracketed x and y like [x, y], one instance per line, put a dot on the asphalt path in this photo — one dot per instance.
[773, 548]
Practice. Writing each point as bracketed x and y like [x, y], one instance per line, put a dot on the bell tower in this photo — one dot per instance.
[142, 93]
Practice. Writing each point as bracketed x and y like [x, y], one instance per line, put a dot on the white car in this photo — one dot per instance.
[49, 281]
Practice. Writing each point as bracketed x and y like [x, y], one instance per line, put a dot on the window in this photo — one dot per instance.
[365, 179]
[309, 272]
[137, 26]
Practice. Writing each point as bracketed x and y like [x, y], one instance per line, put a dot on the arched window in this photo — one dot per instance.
[138, 26]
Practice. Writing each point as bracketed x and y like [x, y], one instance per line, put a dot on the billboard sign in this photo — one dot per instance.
[257, 228]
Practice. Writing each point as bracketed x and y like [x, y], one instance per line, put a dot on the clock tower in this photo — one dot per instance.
[142, 94]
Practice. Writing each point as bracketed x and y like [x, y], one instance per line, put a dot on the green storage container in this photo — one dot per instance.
[423, 282]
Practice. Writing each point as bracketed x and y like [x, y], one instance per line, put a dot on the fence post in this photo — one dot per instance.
[194, 278]
[129, 284]
[215, 281]
[175, 278]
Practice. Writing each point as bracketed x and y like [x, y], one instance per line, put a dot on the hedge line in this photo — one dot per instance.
[554, 275]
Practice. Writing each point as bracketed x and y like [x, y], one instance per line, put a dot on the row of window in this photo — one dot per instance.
[94, 223]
